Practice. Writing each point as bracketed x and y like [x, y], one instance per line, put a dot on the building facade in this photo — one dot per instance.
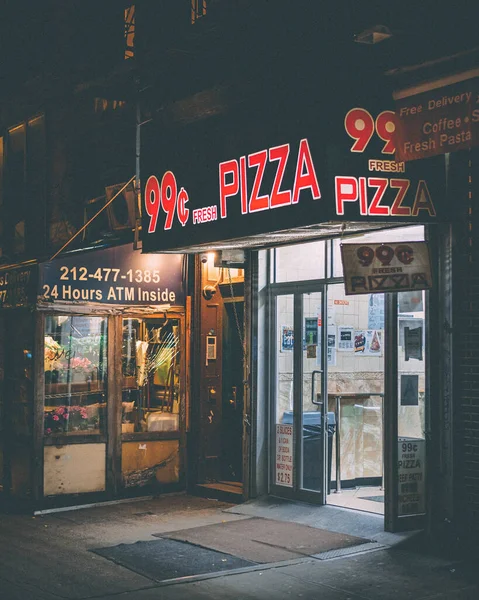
[268, 136]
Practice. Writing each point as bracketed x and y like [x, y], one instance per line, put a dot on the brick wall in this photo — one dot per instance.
[464, 198]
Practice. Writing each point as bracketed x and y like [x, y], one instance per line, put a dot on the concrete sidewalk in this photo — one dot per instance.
[49, 557]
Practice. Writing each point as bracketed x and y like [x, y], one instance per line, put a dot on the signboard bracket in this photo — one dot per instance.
[82, 229]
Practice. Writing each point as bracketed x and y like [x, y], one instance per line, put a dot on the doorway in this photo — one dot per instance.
[232, 393]
[348, 387]
[220, 456]
[329, 347]
[299, 413]
[355, 397]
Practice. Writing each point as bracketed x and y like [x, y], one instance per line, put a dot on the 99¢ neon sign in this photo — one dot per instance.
[241, 178]
[380, 196]
[166, 196]
[360, 125]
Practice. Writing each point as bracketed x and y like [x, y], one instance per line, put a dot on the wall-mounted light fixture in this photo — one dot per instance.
[373, 35]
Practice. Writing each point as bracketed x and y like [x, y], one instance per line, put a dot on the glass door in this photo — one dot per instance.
[298, 416]
[153, 407]
[406, 414]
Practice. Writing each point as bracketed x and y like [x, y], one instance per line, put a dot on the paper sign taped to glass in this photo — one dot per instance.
[368, 342]
[413, 343]
[392, 267]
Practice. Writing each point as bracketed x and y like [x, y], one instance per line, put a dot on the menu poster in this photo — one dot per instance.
[368, 342]
[287, 338]
[413, 343]
[376, 311]
[311, 330]
[345, 339]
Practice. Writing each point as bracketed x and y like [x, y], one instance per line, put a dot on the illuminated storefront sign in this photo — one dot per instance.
[17, 286]
[114, 276]
[234, 176]
[209, 193]
[442, 120]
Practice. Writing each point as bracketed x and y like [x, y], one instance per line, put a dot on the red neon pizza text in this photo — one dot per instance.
[371, 191]
[233, 179]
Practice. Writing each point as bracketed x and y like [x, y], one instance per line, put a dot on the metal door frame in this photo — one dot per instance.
[297, 290]
[392, 521]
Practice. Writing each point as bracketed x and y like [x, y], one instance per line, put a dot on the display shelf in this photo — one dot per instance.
[76, 394]
[129, 382]
[63, 388]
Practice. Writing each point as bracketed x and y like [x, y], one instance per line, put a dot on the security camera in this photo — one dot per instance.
[204, 258]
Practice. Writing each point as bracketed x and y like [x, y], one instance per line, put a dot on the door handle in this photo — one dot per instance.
[313, 401]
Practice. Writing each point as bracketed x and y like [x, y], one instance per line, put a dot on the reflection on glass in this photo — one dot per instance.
[284, 390]
[75, 375]
[284, 356]
[312, 399]
[412, 401]
[151, 375]
[300, 262]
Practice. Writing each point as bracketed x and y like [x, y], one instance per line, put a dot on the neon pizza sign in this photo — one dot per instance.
[202, 198]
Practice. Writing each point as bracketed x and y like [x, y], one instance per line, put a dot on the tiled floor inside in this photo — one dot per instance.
[368, 499]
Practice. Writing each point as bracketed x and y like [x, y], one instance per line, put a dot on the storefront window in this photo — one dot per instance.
[75, 375]
[300, 262]
[151, 375]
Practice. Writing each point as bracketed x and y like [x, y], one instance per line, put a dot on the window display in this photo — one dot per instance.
[75, 375]
[151, 375]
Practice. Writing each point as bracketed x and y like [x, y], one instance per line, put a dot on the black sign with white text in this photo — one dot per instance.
[17, 286]
[114, 276]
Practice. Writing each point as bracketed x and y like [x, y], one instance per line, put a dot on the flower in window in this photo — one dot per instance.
[81, 364]
[53, 354]
[66, 418]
